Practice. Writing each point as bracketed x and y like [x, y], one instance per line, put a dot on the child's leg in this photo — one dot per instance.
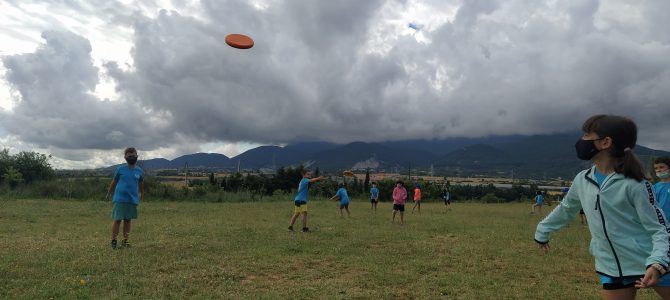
[294, 218]
[347, 208]
[663, 291]
[126, 228]
[402, 217]
[620, 294]
[341, 213]
[304, 219]
[418, 203]
[115, 228]
[393, 218]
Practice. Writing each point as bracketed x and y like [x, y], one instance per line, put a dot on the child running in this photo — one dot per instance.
[538, 203]
[629, 238]
[417, 198]
[342, 196]
[399, 198]
[128, 189]
[374, 197]
[300, 202]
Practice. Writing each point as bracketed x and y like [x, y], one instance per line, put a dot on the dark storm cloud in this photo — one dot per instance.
[496, 67]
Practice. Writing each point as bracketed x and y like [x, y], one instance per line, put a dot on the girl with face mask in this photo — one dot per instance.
[629, 237]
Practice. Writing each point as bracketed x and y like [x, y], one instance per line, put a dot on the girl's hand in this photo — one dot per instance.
[650, 279]
[544, 247]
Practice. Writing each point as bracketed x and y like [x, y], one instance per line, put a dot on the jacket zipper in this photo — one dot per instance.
[602, 218]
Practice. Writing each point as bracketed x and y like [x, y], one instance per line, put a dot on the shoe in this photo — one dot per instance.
[305, 229]
[113, 244]
[290, 228]
[125, 244]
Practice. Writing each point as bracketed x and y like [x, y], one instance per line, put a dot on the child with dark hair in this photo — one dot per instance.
[128, 189]
[538, 203]
[343, 197]
[300, 202]
[629, 238]
[399, 198]
[662, 191]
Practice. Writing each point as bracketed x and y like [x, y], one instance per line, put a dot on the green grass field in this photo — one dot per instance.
[243, 250]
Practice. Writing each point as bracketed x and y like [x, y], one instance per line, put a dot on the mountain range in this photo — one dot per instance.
[536, 156]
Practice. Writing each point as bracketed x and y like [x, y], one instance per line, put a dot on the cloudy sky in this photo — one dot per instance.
[81, 80]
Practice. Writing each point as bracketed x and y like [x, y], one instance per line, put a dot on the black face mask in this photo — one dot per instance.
[131, 159]
[586, 149]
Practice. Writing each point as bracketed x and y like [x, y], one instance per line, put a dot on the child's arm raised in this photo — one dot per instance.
[316, 179]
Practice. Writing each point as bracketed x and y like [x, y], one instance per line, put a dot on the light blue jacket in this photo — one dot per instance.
[628, 230]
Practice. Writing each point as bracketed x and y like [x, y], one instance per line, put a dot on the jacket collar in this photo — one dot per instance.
[591, 177]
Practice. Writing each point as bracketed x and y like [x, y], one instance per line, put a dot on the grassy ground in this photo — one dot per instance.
[60, 250]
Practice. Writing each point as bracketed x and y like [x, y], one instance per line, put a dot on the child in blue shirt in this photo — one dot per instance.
[374, 197]
[128, 189]
[662, 191]
[342, 196]
[300, 202]
[538, 203]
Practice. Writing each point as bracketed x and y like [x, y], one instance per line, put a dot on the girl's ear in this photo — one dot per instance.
[605, 143]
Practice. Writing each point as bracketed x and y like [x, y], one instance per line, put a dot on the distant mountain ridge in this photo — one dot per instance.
[524, 156]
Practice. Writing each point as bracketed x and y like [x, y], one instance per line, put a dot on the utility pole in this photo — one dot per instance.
[238, 165]
[186, 174]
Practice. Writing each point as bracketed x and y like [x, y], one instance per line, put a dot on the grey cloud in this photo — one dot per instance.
[499, 67]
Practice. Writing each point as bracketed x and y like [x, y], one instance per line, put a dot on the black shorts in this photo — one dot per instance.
[581, 211]
[298, 203]
[447, 201]
[373, 200]
[399, 207]
[342, 206]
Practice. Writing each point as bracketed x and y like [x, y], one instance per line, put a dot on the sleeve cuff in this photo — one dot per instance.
[541, 243]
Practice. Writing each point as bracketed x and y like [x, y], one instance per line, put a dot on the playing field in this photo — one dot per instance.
[60, 250]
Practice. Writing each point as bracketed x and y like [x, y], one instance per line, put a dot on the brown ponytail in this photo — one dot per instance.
[623, 133]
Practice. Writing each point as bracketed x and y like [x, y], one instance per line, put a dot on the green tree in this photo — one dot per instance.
[366, 184]
[13, 177]
[33, 166]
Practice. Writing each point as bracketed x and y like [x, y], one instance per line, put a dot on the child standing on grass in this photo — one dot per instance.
[538, 203]
[374, 197]
[629, 238]
[399, 198]
[417, 198]
[300, 202]
[342, 196]
[128, 189]
[447, 199]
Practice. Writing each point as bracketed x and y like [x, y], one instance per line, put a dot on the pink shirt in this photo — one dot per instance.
[417, 194]
[399, 195]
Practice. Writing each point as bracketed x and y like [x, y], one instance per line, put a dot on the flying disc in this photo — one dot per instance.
[239, 41]
[348, 173]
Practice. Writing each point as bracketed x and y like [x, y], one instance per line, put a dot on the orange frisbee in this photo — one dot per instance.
[239, 41]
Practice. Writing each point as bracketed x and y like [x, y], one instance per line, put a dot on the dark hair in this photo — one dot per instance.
[623, 133]
[539, 192]
[129, 150]
[373, 183]
[304, 171]
[662, 160]
[341, 185]
[401, 183]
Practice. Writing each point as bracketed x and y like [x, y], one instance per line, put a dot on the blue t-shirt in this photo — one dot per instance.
[303, 188]
[662, 190]
[539, 199]
[374, 193]
[127, 184]
[600, 178]
[342, 194]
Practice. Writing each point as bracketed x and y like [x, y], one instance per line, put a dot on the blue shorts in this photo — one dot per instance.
[344, 205]
[610, 284]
